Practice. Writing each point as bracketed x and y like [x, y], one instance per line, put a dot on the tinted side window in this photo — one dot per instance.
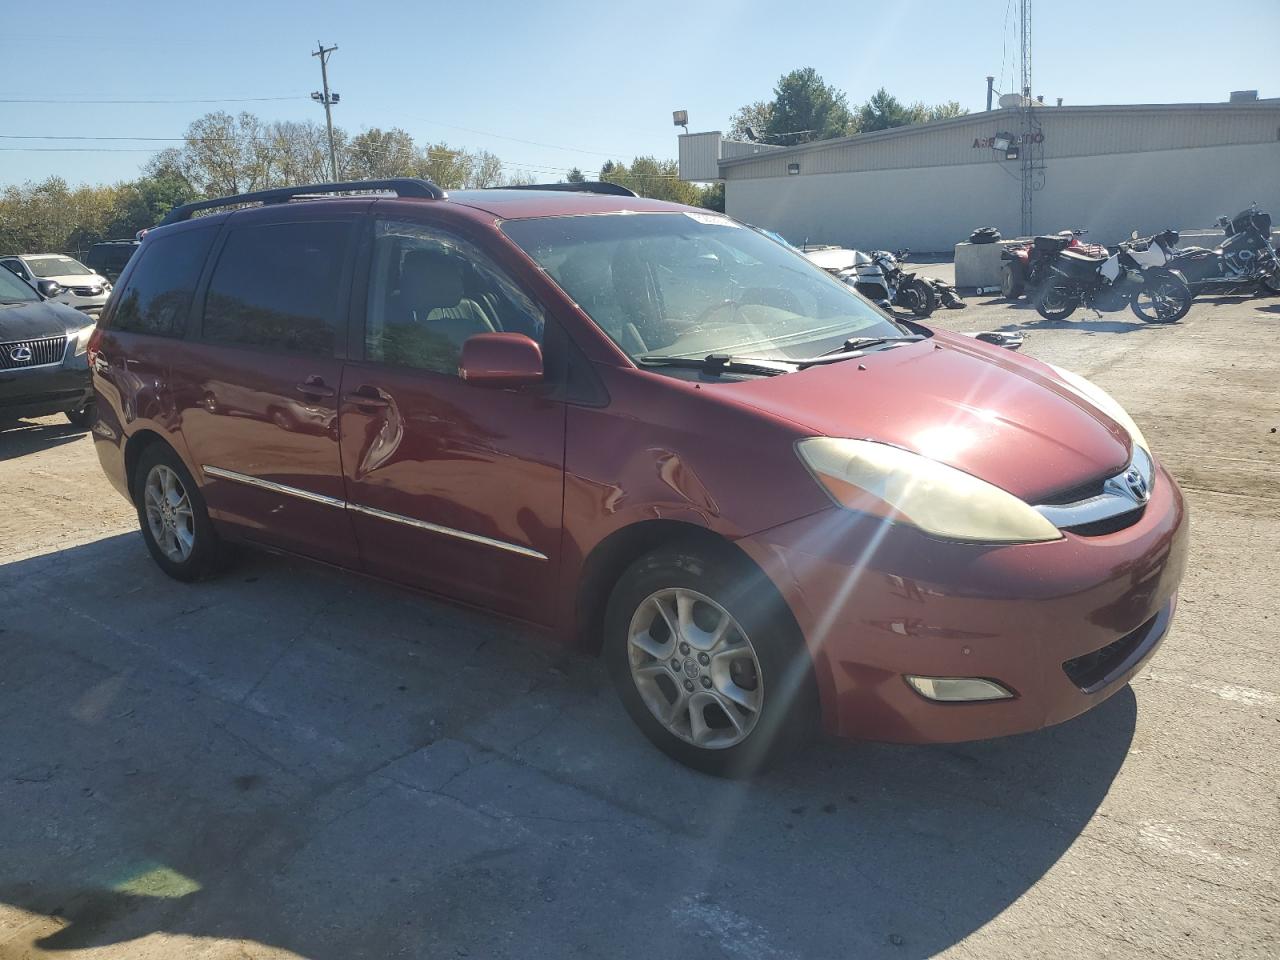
[276, 285]
[429, 291]
[158, 295]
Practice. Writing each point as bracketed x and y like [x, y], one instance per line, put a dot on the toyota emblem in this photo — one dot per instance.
[20, 354]
[1137, 484]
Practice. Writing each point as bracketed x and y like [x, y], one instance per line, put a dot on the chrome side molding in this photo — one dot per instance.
[271, 485]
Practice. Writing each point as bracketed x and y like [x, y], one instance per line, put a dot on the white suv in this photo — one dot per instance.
[81, 287]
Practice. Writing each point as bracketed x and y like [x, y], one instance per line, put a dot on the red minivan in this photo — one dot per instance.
[655, 433]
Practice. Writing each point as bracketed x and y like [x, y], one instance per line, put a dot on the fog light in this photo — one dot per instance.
[957, 689]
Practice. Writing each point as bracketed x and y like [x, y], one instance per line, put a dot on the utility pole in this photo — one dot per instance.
[328, 99]
[990, 82]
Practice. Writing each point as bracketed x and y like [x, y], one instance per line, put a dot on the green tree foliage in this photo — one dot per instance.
[378, 154]
[753, 117]
[576, 176]
[649, 177]
[805, 108]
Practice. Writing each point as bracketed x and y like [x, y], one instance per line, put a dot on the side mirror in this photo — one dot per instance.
[500, 360]
[48, 288]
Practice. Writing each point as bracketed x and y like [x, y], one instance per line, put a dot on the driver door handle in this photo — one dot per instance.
[366, 397]
[314, 387]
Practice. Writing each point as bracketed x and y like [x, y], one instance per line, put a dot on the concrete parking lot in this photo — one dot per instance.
[292, 761]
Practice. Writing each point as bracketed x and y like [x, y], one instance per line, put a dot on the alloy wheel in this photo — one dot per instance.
[169, 515]
[695, 668]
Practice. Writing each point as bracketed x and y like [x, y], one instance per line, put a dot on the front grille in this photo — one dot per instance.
[1100, 528]
[86, 291]
[1082, 491]
[43, 352]
[1089, 671]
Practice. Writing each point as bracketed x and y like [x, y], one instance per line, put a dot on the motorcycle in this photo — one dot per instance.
[879, 277]
[1245, 263]
[1136, 275]
[945, 293]
[1028, 265]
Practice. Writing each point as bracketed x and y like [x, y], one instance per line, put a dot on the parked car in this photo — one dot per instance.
[108, 258]
[655, 433]
[81, 287]
[43, 363]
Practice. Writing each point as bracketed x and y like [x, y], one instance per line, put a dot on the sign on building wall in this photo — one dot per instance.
[989, 143]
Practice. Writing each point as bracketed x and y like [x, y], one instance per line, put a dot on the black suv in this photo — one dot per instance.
[43, 364]
[109, 257]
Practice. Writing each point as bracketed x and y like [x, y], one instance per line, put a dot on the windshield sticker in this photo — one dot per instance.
[710, 218]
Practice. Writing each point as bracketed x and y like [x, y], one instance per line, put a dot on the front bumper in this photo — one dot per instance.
[91, 306]
[44, 390]
[1062, 625]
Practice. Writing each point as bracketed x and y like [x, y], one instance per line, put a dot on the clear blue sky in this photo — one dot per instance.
[599, 81]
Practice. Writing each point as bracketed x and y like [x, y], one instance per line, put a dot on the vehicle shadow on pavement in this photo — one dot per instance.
[322, 763]
[21, 438]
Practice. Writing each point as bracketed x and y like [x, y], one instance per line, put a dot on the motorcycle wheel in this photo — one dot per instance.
[1164, 300]
[1013, 280]
[1271, 283]
[1055, 301]
[924, 302]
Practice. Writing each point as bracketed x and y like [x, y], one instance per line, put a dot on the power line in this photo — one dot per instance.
[209, 100]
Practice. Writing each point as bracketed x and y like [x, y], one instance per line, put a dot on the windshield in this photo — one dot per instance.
[693, 284]
[13, 290]
[57, 267]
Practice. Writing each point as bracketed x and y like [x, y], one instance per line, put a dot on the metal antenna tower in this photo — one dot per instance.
[1032, 150]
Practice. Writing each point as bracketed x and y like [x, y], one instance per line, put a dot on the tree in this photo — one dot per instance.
[884, 111]
[753, 117]
[484, 170]
[378, 154]
[711, 196]
[576, 176]
[649, 177]
[806, 108]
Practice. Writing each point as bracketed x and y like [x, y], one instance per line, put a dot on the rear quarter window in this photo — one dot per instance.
[276, 286]
[157, 297]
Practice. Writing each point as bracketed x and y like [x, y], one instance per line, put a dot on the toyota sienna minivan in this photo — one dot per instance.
[654, 433]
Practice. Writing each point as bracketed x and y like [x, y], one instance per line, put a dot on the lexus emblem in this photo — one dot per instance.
[20, 354]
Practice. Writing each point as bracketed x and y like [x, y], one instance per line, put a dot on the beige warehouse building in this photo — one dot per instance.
[1107, 169]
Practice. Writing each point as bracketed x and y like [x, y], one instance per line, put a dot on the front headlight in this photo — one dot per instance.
[887, 481]
[1103, 401]
[82, 338]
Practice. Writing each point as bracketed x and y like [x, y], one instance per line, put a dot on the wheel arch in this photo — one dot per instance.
[134, 447]
[609, 559]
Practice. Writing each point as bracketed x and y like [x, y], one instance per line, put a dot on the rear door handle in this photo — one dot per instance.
[314, 387]
[366, 397]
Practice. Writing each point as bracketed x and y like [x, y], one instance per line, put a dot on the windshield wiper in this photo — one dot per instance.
[861, 343]
[716, 364]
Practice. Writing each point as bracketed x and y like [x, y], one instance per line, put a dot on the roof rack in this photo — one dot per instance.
[588, 186]
[400, 186]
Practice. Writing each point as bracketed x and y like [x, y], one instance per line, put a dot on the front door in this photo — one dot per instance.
[451, 487]
[256, 387]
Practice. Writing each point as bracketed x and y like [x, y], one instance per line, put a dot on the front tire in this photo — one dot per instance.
[1162, 300]
[85, 416]
[1056, 301]
[1013, 280]
[173, 517]
[1271, 283]
[708, 661]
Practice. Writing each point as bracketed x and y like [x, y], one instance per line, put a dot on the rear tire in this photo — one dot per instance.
[173, 517]
[1013, 280]
[1055, 301]
[1162, 300]
[1271, 284]
[728, 706]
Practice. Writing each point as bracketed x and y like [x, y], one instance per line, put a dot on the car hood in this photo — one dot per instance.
[78, 280]
[981, 409]
[31, 321]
